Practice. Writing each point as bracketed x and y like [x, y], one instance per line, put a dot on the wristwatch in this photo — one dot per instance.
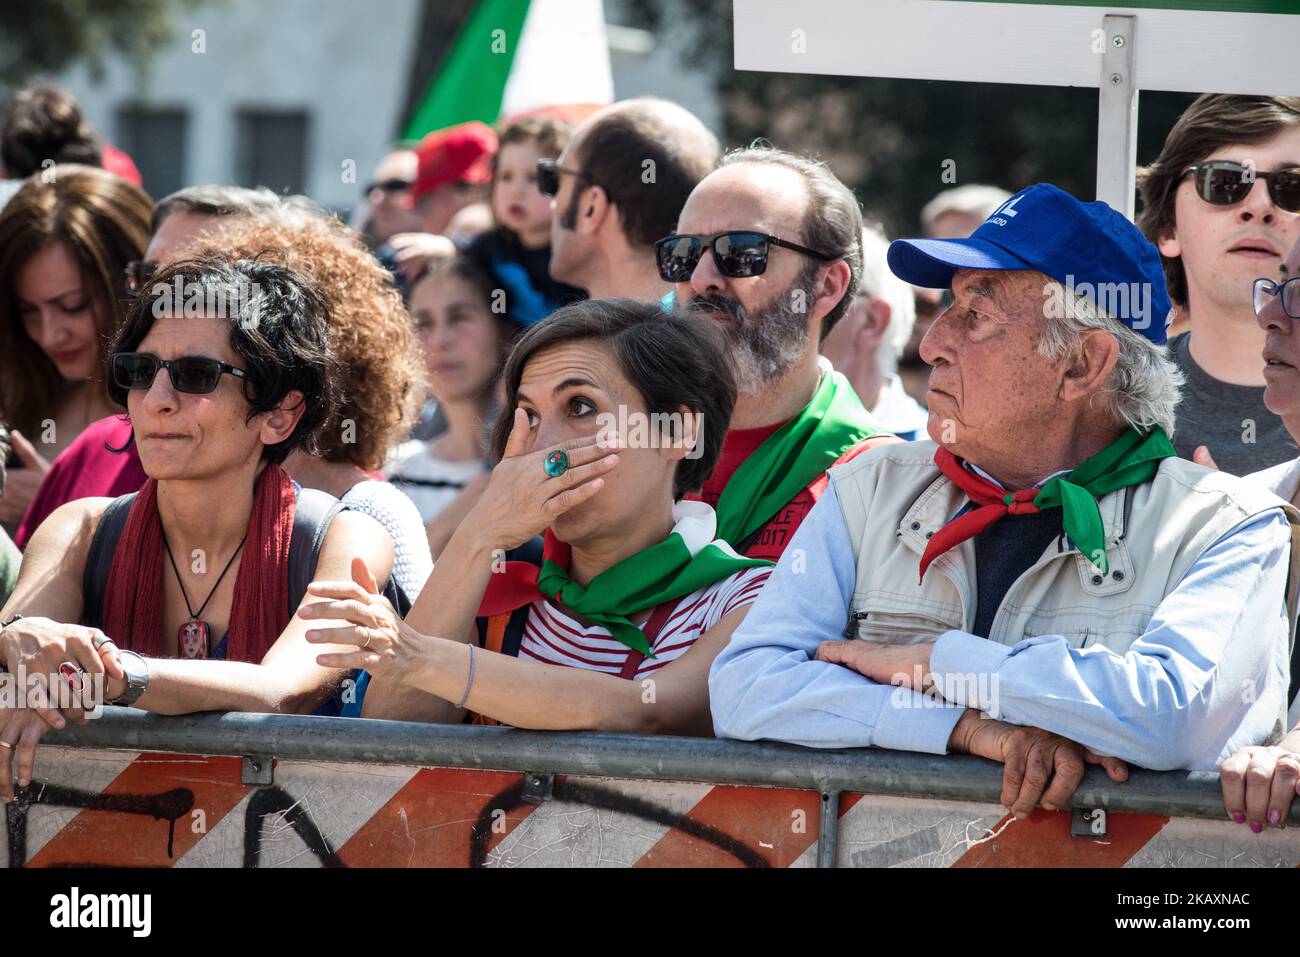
[137, 677]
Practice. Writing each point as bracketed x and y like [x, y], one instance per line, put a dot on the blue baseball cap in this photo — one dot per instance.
[1087, 247]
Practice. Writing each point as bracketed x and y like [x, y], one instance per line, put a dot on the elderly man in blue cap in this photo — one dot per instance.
[1045, 583]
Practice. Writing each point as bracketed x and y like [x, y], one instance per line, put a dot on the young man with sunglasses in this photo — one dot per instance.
[769, 246]
[181, 597]
[1222, 204]
[617, 187]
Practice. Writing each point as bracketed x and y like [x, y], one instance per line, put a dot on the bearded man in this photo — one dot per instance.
[770, 245]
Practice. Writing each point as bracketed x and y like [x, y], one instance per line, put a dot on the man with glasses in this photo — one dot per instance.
[1222, 204]
[388, 198]
[769, 246]
[618, 186]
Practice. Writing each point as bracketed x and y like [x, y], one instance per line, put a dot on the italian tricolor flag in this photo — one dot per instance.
[517, 56]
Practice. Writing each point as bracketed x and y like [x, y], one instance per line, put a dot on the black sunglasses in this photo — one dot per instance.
[1224, 183]
[548, 176]
[738, 254]
[394, 185]
[1266, 290]
[197, 375]
[138, 272]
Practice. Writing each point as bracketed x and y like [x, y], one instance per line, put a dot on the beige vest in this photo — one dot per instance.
[894, 498]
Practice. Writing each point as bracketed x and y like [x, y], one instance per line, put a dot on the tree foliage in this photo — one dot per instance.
[43, 37]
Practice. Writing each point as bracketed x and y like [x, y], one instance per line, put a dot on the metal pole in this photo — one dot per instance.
[1117, 115]
[633, 757]
[828, 828]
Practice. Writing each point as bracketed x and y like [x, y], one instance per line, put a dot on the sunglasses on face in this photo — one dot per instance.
[1266, 290]
[138, 272]
[548, 176]
[738, 254]
[389, 186]
[1224, 183]
[196, 375]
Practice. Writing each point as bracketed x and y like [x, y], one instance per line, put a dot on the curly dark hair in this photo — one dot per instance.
[382, 379]
[279, 327]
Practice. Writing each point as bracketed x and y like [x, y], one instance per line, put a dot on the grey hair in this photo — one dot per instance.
[832, 222]
[1144, 386]
[214, 200]
[974, 199]
[879, 282]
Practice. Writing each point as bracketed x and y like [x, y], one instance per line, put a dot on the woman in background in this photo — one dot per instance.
[464, 344]
[65, 241]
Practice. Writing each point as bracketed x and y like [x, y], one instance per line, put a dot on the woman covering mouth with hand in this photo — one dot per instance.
[633, 598]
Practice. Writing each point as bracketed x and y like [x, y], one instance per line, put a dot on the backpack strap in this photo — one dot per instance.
[311, 521]
[654, 624]
[103, 546]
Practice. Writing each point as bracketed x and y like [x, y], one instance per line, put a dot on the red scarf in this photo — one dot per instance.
[991, 498]
[133, 594]
[516, 586]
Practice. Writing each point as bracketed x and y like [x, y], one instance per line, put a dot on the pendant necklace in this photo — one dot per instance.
[194, 637]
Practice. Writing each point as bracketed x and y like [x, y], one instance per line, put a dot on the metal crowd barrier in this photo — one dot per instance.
[261, 739]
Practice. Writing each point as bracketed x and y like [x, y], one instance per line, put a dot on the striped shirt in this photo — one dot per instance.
[552, 636]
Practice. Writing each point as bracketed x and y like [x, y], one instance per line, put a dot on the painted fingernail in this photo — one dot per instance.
[1239, 818]
[1256, 826]
[1274, 817]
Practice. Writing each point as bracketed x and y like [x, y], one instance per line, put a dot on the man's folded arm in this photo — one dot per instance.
[1208, 676]
[765, 683]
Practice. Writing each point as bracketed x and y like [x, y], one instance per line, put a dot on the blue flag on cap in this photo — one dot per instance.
[1089, 248]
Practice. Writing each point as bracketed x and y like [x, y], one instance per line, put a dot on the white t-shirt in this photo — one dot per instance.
[551, 636]
[430, 482]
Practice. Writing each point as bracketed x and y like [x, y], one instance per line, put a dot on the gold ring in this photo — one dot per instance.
[367, 644]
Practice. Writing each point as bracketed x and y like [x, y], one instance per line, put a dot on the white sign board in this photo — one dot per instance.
[1118, 48]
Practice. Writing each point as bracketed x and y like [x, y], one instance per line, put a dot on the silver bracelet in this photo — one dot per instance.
[470, 683]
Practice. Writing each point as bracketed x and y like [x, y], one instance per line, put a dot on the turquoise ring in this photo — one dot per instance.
[556, 464]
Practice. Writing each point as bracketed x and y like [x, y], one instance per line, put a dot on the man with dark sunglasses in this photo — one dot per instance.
[769, 246]
[388, 198]
[1222, 204]
[617, 187]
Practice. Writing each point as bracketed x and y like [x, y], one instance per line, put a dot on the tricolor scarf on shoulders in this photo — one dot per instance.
[689, 559]
[1132, 459]
[793, 456]
[133, 595]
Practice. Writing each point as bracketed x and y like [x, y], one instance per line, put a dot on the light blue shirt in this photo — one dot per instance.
[1208, 676]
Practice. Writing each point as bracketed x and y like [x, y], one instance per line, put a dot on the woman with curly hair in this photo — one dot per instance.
[372, 338]
[65, 241]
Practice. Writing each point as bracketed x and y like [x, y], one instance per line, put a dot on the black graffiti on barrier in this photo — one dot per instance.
[268, 802]
[593, 795]
[275, 802]
[169, 806]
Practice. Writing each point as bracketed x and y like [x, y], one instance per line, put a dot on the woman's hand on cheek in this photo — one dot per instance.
[523, 498]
